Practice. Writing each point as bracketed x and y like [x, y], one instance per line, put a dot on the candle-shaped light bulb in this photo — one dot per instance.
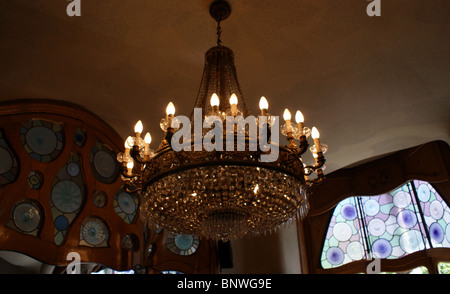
[233, 103]
[263, 105]
[170, 111]
[138, 127]
[299, 119]
[147, 140]
[315, 135]
[130, 165]
[127, 148]
[215, 101]
[287, 118]
[127, 143]
[286, 115]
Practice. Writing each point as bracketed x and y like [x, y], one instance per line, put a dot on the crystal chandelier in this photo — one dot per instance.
[226, 177]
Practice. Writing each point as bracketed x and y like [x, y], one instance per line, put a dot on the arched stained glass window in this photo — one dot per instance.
[410, 218]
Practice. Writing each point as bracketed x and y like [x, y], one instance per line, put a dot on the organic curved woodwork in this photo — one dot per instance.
[98, 222]
[47, 180]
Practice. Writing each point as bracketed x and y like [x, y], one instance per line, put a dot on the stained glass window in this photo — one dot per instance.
[444, 268]
[410, 218]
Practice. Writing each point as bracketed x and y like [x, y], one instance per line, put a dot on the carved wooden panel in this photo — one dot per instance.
[61, 192]
[62, 180]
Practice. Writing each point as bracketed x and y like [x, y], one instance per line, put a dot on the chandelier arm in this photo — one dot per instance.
[317, 181]
[320, 161]
[128, 189]
[134, 153]
[124, 172]
[303, 145]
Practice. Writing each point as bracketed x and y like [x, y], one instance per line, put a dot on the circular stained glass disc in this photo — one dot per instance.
[126, 203]
[6, 161]
[436, 233]
[402, 199]
[67, 196]
[355, 250]
[436, 210]
[104, 163]
[411, 241]
[26, 217]
[377, 227]
[73, 169]
[41, 140]
[407, 219]
[184, 242]
[371, 207]
[95, 232]
[423, 192]
[348, 212]
[342, 231]
[335, 255]
[382, 248]
[61, 223]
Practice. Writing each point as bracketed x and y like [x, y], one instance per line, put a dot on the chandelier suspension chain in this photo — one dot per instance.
[219, 31]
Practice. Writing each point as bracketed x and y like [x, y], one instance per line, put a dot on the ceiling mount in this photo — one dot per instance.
[220, 10]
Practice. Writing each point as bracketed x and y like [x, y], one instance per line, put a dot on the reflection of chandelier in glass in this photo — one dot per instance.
[218, 182]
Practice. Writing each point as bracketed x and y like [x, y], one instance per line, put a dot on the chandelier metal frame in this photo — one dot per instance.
[222, 194]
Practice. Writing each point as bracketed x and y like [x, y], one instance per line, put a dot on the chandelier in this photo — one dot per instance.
[222, 173]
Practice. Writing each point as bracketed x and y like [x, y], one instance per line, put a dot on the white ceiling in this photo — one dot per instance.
[371, 85]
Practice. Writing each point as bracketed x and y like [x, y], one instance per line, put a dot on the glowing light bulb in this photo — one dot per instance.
[147, 138]
[233, 99]
[286, 115]
[130, 165]
[138, 127]
[170, 110]
[215, 100]
[263, 104]
[315, 133]
[233, 103]
[287, 118]
[299, 117]
[127, 143]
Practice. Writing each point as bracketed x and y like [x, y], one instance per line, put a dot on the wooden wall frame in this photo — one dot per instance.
[117, 253]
